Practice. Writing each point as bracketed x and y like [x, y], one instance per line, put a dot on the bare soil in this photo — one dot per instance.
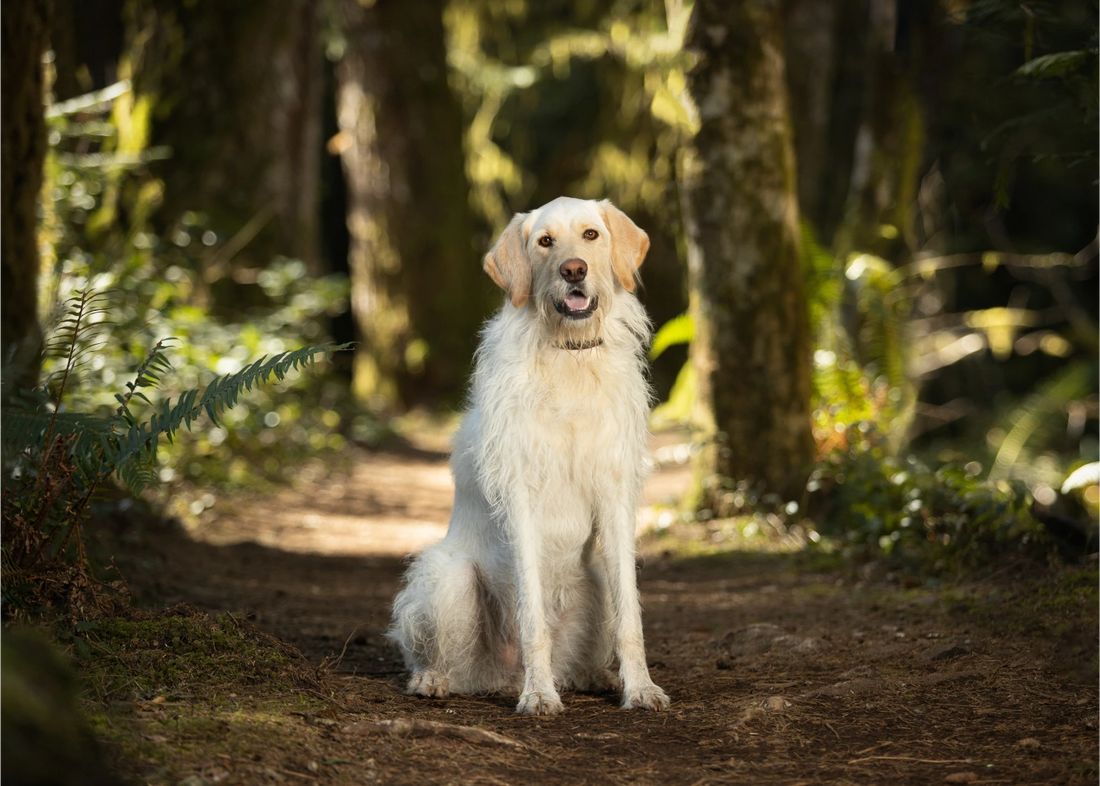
[785, 668]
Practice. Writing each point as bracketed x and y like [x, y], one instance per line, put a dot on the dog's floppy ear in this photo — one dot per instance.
[507, 263]
[629, 244]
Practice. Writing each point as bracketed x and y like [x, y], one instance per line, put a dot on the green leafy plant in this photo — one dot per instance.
[57, 459]
[877, 506]
[102, 230]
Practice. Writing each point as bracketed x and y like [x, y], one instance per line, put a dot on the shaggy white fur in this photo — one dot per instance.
[533, 588]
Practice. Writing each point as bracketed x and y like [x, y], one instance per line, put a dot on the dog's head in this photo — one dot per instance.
[568, 258]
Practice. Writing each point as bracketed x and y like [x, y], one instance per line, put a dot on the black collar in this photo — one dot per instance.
[575, 345]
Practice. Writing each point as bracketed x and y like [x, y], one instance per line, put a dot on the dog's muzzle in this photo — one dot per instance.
[577, 305]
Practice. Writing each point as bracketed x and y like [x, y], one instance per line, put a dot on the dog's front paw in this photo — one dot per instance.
[648, 697]
[535, 702]
[426, 682]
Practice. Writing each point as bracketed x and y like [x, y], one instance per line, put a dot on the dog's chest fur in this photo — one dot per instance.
[578, 403]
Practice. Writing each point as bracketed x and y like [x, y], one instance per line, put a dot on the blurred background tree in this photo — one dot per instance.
[418, 297]
[24, 34]
[751, 350]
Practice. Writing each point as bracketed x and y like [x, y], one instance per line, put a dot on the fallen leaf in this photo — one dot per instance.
[776, 704]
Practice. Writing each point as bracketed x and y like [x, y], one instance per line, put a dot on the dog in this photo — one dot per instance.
[533, 589]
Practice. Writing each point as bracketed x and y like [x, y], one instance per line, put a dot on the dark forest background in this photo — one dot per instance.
[252, 178]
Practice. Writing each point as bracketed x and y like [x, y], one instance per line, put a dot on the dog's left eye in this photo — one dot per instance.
[591, 234]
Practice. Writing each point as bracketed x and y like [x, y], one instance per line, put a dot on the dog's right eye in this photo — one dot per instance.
[546, 241]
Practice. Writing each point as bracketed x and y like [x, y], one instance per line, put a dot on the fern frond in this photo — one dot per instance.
[26, 429]
[1054, 65]
[822, 274]
[125, 453]
[1048, 399]
[146, 376]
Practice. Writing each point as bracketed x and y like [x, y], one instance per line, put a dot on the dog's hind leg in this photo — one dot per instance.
[437, 621]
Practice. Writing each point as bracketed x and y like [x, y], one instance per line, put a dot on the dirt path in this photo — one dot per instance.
[782, 668]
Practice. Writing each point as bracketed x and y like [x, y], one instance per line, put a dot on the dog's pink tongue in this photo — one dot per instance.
[575, 302]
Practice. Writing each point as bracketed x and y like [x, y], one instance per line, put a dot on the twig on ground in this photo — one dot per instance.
[351, 635]
[873, 748]
[405, 727]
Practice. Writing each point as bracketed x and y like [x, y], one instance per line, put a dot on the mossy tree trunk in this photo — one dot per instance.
[24, 32]
[418, 293]
[237, 90]
[751, 352]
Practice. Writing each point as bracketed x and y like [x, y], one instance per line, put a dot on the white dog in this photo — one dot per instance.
[533, 587]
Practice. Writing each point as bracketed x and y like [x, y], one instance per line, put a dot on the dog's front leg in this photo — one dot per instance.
[617, 535]
[539, 696]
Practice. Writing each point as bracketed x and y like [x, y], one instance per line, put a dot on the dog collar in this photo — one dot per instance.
[574, 345]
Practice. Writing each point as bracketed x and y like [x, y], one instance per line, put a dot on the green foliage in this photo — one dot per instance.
[540, 82]
[823, 278]
[1054, 65]
[947, 518]
[860, 346]
[867, 493]
[59, 459]
[681, 398]
[115, 288]
[1045, 110]
[1041, 410]
[97, 234]
[679, 330]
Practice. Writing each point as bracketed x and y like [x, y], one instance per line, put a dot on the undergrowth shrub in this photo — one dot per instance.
[875, 506]
[57, 458]
[100, 230]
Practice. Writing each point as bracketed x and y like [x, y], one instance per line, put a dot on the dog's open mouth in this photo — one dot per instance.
[577, 306]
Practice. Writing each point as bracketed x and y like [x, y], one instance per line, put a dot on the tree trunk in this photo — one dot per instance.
[906, 66]
[810, 43]
[418, 294]
[237, 90]
[751, 351]
[25, 31]
[87, 38]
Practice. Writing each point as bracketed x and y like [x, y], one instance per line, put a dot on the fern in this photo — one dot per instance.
[824, 283]
[59, 458]
[1045, 403]
[130, 452]
[77, 333]
[1054, 65]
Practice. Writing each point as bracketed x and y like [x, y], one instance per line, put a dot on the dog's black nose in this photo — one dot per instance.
[573, 270]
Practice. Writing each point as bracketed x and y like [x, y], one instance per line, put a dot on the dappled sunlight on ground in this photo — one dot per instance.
[388, 504]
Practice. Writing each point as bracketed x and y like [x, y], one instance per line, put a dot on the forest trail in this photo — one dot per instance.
[783, 668]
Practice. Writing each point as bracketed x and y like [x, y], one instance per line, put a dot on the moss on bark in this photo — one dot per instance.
[752, 345]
